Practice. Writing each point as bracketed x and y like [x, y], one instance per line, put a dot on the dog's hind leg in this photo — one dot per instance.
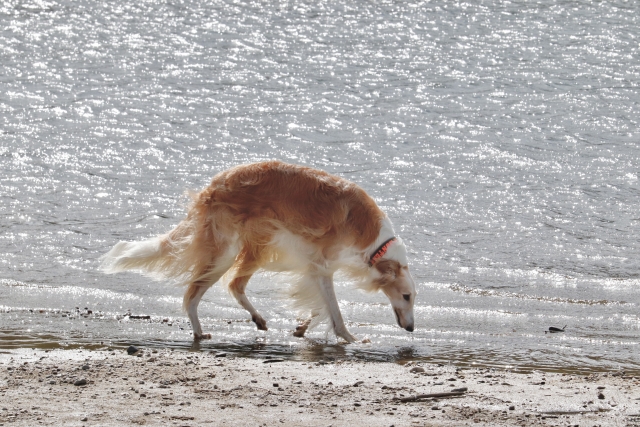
[196, 290]
[191, 300]
[237, 287]
[325, 285]
[247, 264]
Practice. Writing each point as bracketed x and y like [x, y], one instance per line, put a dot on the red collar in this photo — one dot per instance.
[379, 253]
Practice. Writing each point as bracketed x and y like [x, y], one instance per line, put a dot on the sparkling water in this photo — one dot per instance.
[501, 138]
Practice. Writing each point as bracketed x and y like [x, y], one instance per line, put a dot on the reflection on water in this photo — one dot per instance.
[306, 350]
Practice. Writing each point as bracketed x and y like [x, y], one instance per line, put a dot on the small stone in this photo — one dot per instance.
[276, 385]
[358, 383]
[132, 350]
[600, 396]
[512, 408]
[85, 367]
[416, 370]
[221, 354]
[84, 419]
[80, 382]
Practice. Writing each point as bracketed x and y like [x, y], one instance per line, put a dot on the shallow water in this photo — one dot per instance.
[501, 138]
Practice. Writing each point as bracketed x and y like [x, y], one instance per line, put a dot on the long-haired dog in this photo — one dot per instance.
[278, 217]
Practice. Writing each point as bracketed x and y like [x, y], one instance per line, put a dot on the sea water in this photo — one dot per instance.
[501, 138]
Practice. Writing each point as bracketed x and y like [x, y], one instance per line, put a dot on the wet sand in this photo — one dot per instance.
[179, 388]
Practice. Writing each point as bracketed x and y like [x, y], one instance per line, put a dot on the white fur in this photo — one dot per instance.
[133, 256]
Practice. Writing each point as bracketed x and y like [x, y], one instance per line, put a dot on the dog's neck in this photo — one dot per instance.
[394, 248]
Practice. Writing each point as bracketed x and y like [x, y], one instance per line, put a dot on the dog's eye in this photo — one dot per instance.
[406, 297]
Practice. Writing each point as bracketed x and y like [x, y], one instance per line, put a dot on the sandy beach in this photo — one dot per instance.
[179, 388]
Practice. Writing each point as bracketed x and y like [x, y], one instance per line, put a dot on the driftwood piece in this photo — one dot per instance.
[430, 396]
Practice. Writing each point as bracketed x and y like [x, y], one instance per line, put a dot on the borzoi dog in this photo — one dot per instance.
[278, 217]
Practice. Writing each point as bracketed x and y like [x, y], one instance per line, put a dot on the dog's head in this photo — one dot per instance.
[391, 275]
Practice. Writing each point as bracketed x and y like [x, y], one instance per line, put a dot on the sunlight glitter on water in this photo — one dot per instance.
[500, 138]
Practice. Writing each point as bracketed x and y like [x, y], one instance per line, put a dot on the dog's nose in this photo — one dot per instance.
[409, 328]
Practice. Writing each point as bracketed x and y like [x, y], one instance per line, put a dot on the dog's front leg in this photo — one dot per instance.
[325, 284]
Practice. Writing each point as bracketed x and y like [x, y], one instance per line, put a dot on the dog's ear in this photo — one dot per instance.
[388, 268]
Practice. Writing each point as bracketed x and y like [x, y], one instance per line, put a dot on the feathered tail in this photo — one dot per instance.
[194, 250]
[146, 256]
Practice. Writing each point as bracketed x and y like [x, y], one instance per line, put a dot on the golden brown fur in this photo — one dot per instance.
[257, 200]
[262, 214]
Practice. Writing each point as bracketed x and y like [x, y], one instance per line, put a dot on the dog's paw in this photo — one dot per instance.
[300, 331]
[260, 323]
[347, 337]
[198, 337]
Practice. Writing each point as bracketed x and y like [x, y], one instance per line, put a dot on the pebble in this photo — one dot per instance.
[80, 382]
[416, 370]
[85, 367]
[132, 350]
[600, 396]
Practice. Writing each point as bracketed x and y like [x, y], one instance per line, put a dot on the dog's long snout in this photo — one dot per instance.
[408, 326]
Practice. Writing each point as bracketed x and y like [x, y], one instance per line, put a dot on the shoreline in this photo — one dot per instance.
[172, 387]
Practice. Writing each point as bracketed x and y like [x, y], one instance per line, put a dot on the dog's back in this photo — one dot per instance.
[243, 211]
